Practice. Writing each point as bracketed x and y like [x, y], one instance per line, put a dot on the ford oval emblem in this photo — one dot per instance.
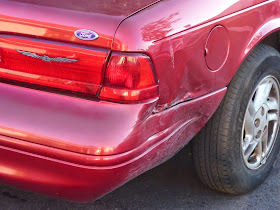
[86, 34]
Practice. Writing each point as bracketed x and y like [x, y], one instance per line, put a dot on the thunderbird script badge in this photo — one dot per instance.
[47, 58]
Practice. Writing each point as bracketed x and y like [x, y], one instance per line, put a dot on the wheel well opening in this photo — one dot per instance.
[273, 40]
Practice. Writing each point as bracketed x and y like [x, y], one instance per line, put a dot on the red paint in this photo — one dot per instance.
[182, 30]
[82, 178]
[79, 149]
[82, 75]
[217, 48]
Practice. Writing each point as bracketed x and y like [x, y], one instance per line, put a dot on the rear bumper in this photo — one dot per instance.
[66, 173]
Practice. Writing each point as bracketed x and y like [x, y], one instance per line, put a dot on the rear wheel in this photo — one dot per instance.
[235, 151]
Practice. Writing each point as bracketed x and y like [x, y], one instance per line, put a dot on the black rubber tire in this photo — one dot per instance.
[216, 149]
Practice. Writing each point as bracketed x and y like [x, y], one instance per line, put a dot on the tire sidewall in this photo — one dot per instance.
[246, 179]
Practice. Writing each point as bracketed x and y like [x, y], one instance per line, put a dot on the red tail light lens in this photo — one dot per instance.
[47, 64]
[129, 78]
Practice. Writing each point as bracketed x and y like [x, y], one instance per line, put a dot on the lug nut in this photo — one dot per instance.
[257, 122]
[262, 111]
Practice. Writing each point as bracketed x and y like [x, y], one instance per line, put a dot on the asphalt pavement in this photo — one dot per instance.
[172, 185]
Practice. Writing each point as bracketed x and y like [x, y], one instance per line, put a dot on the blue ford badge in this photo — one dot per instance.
[86, 34]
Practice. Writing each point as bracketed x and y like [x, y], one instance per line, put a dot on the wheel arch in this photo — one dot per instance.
[268, 33]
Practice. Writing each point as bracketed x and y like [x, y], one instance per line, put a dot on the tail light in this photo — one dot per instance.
[51, 65]
[129, 78]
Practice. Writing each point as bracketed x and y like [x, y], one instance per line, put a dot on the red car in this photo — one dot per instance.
[94, 93]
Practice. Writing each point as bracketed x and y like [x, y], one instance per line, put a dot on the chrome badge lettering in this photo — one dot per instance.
[47, 58]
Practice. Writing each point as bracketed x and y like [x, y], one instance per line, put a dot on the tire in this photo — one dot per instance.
[220, 148]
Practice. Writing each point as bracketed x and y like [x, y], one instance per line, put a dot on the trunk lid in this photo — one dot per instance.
[59, 19]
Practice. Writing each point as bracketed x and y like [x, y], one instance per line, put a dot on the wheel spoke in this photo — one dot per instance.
[265, 141]
[272, 117]
[262, 94]
[251, 108]
[259, 153]
[267, 89]
[250, 150]
[259, 148]
[247, 141]
[249, 123]
[272, 104]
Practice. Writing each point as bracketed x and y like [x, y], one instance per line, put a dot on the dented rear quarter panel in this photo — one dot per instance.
[176, 37]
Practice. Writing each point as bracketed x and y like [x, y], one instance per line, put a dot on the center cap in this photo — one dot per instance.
[260, 122]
